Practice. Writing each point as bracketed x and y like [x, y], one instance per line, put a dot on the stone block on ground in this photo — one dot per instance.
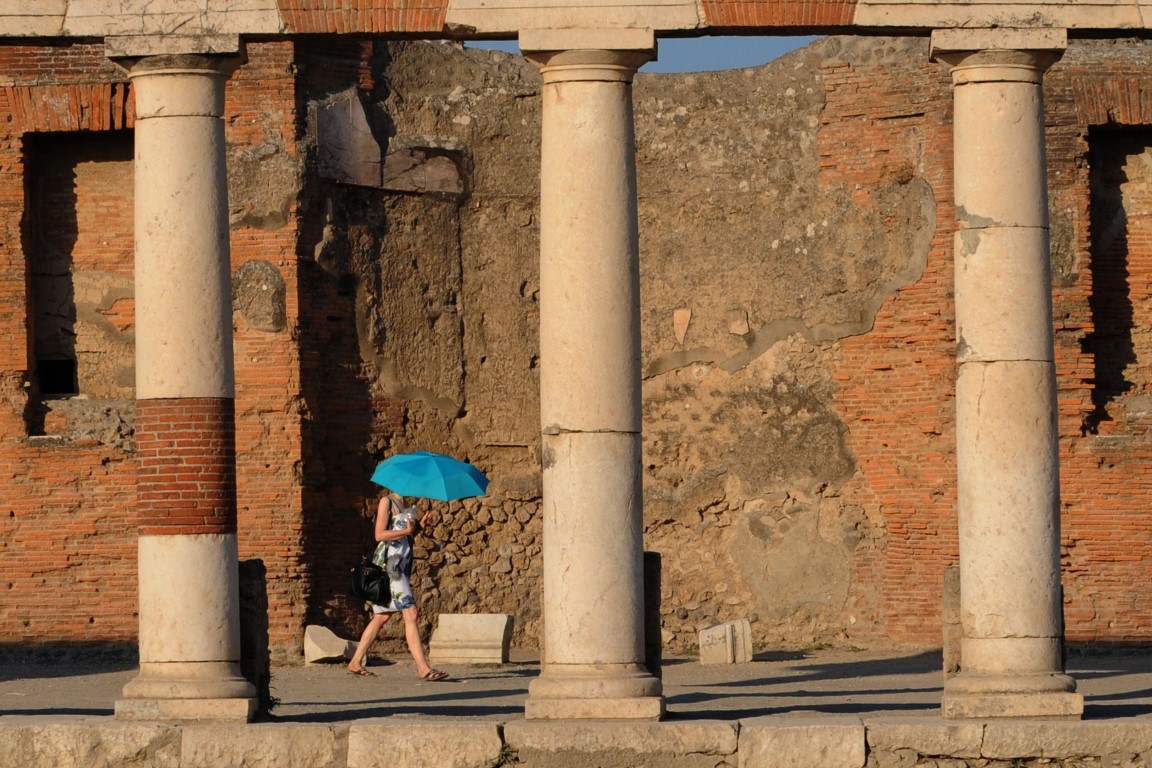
[42, 743]
[924, 735]
[267, 744]
[802, 742]
[618, 744]
[1065, 740]
[386, 743]
[323, 645]
[727, 643]
[471, 638]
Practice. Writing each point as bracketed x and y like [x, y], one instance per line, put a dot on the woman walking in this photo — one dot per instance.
[396, 526]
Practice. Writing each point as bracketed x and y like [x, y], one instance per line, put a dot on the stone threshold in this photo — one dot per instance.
[765, 742]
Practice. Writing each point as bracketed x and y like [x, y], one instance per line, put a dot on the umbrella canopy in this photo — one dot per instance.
[430, 476]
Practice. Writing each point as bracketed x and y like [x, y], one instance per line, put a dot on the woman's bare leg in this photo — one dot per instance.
[415, 644]
[367, 637]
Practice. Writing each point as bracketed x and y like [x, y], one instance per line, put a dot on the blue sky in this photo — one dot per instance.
[700, 54]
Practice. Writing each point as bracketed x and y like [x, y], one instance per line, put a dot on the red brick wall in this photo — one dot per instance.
[67, 531]
[1102, 316]
[896, 383]
[883, 122]
[309, 426]
[349, 424]
[261, 111]
[69, 537]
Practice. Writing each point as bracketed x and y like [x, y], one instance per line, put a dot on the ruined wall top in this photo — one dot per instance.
[210, 25]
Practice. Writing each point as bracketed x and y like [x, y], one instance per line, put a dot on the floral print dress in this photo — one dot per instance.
[395, 557]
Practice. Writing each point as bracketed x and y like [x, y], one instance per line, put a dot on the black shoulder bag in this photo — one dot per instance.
[370, 582]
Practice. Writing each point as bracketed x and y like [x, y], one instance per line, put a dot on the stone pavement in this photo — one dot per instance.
[823, 708]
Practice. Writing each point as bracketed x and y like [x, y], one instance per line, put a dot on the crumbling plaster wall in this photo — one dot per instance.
[753, 270]
[755, 265]
[437, 255]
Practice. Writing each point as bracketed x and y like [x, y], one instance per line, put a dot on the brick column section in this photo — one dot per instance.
[186, 482]
[185, 412]
[593, 656]
[1007, 451]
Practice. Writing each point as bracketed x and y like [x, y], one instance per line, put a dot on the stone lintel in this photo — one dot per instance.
[1062, 705]
[139, 46]
[998, 39]
[230, 709]
[493, 18]
[587, 39]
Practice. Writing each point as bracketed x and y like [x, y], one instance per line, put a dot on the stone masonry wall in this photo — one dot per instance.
[69, 528]
[798, 333]
[795, 225]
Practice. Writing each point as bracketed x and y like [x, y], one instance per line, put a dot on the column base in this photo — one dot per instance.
[982, 706]
[647, 708]
[594, 692]
[1053, 696]
[231, 710]
[209, 690]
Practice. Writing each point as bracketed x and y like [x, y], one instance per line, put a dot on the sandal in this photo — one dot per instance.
[362, 672]
[433, 675]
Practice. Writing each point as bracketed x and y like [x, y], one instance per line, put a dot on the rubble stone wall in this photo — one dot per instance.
[797, 326]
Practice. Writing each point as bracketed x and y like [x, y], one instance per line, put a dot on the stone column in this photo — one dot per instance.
[185, 425]
[593, 655]
[1007, 451]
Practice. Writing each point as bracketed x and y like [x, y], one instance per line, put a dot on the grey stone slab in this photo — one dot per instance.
[1008, 739]
[471, 638]
[701, 737]
[89, 743]
[347, 151]
[391, 743]
[323, 645]
[1066, 705]
[169, 710]
[727, 643]
[802, 742]
[928, 736]
[263, 746]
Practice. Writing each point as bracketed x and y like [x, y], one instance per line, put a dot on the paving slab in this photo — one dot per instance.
[822, 707]
[866, 683]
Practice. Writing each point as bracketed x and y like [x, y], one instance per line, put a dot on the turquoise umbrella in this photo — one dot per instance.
[430, 476]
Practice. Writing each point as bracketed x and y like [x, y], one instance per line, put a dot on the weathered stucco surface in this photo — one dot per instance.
[752, 271]
[798, 329]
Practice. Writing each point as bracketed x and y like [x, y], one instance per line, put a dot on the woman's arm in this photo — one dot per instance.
[383, 515]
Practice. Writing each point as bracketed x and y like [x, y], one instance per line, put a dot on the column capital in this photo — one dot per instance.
[565, 55]
[588, 65]
[998, 55]
[180, 84]
[998, 66]
[181, 63]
